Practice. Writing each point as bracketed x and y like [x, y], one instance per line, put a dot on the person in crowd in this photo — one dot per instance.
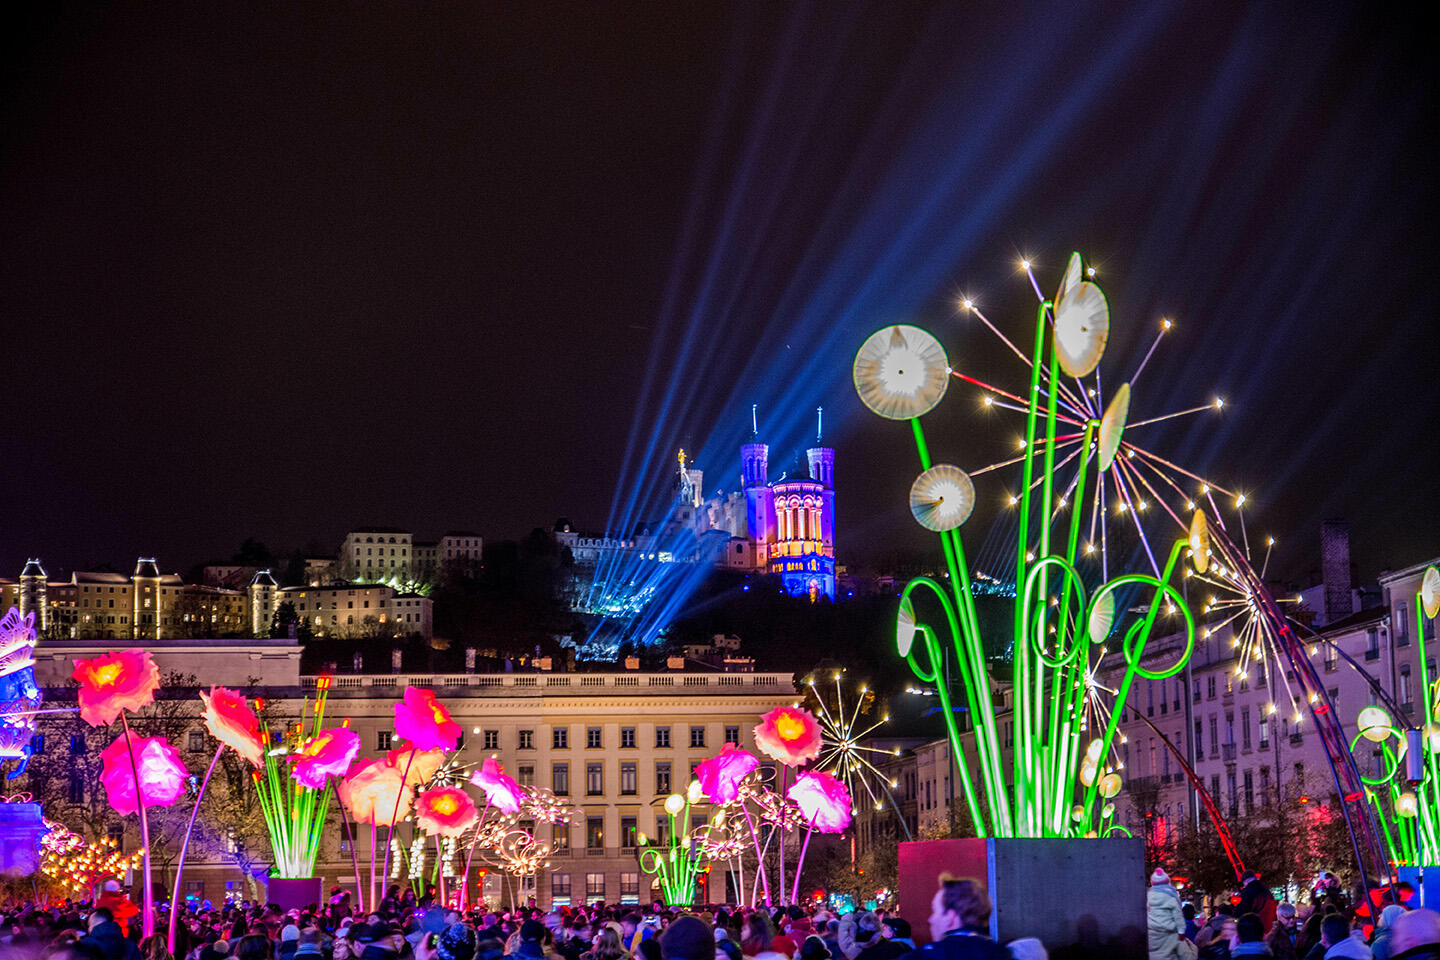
[687, 938]
[1225, 938]
[1380, 942]
[1165, 919]
[1281, 939]
[1336, 942]
[1187, 910]
[253, 946]
[727, 949]
[1416, 936]
[960, 923]
[1250, 937]
[106, 939]
[605, 946]
[1256, 898]
[858, 931]
[378, 941]
[898, 930]
[759, 938]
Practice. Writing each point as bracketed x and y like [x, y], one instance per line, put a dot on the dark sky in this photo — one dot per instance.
[282, 269]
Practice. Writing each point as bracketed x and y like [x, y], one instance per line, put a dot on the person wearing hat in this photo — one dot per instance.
[532, 940]
[379, 941]
[289, 940]
[1165, 919]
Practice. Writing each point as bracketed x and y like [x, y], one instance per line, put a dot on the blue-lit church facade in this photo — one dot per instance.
[792, 522]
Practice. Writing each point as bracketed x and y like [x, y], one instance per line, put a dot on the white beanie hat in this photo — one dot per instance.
[1159, 877]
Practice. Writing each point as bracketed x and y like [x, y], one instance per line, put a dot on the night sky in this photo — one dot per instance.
[278, 270]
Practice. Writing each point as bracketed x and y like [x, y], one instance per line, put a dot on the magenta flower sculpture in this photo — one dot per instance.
[789, 735]
[113, 683]
[501, 791]
[327, 754]
[161, 771]
[418, 766]
[420, 719]
[823, 800]
[445, 811]
[374, 793]
[720, 776]
[231, 721]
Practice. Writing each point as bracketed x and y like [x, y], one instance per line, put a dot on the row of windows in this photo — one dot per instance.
[595, 738]
[561, 890]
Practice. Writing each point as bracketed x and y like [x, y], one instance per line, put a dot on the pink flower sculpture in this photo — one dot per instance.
[445, 811]
[789, 735]
[162, 773]
[503, 792]
[370, 792]
[720, 776]
[419, 769]
[327, 754]
[114, 682]
[823, 800]
[232, 722]
[421, 719]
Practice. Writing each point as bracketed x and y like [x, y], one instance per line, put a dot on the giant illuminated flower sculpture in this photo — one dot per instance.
[720, 776]
[372, 791]
[420, 719]
[162, 773]
[231, 721]
[823, 800]
[501, 791]
[327, 754]
[115, 682]
[445, 811]
[418, 766]
[790, 735]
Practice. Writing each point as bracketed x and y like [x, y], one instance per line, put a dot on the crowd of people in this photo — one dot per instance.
[1256, 925]
[402, 929]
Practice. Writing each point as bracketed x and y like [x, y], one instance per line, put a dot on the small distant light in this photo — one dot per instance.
[1024, 264]
[1219, 403]
[968, 303]
[1165, 324]
[989, 400]
[1014, 500]
[1240, 501]
[1089, 271]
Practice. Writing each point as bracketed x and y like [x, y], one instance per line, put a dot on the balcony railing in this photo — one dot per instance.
[588, 681]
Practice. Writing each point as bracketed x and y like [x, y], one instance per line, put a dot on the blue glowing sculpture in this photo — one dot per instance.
[19, 697]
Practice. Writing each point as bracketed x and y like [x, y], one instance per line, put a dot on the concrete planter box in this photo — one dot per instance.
[295, 892]
[1065, 892]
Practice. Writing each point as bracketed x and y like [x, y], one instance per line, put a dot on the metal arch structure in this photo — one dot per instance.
[1222, 829]
[1370, 851]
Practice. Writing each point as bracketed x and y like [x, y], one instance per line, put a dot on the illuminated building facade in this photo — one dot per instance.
[792, 522]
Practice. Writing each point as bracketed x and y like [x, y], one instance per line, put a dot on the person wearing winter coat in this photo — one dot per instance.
[858, 931]
[1166, 919]
[1380, 943]
[1416, 936]
[1250, 937]
[1281, 940]
[960, 923]
[1336, 943]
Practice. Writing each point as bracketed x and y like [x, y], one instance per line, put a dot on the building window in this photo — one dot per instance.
[594, 886]
[662, 737]
[526, 774]
[37, 743]
[527, 742]
[1245, 727]
[560, 779]
[593, 738]
[560, 889]
[560, 836]
[1249, 790]
[630, 887]
[492, 740]
[1402, 617]
[732, 734]
[115, 833]
[697, 736]
[76, 793]
[195, 741]
[662, 777]
[1199, 739]
[1264, 785]
[627, 738]
[1210, 686]
[382, 740]
[627, 778]
[594, 779]
[628, 833]
[594, 833]
[1404, 686]
[77, 743]
[560, 738]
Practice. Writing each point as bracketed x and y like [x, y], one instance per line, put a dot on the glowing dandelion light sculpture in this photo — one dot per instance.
[1065, 766]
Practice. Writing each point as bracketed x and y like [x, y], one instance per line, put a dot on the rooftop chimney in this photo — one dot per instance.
[1335, 569]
